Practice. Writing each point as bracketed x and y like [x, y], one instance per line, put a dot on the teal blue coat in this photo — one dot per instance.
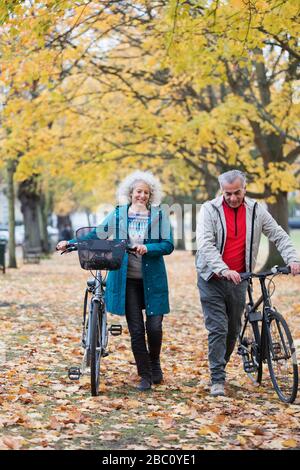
[159, 242]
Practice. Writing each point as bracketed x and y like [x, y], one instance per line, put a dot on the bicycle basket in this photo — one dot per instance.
[99, 254]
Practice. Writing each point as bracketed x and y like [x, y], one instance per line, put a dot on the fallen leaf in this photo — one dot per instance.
[290, 443]
[12, 442]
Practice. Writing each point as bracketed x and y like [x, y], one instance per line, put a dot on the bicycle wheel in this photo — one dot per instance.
[281, 356]
[95, 348]
[249, 350]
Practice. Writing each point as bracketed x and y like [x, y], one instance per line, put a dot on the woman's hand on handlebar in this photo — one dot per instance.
[140, 249]
[62, 245]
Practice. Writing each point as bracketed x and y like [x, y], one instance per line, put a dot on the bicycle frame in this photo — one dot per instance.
[253, 316]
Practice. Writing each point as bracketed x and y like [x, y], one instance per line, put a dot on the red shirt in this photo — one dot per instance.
[235, 246]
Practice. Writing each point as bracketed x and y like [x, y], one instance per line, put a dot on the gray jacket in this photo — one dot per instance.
[211, 236]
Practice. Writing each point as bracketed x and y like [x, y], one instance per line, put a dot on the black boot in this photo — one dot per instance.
[144, 371]
[144, 385]
[154, 335]
[157, 375]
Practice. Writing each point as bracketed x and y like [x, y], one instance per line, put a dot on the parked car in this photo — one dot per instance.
[19, 234]
[53, 234]
[294, 222]
[3, 233]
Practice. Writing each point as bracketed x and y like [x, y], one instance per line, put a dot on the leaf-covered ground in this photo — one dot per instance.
[40, 408]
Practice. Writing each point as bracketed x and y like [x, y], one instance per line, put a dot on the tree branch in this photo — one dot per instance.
[285, 46]
[292, 155]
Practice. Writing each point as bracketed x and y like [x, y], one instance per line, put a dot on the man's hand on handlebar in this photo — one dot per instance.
[231, 275]
[292, 268]
[295, 268]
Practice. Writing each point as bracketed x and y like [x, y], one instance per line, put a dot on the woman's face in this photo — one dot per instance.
[140, 194]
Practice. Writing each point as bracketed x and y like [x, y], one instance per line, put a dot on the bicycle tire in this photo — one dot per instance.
[280, 355]
[87, 355]
[248, 340]
[95, 348]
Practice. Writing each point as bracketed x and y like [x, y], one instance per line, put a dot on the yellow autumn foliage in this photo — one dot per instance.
[90, 92]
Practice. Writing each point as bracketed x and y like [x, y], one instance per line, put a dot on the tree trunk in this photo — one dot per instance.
[88, 216]
[30, 202]
[62, 222]
[279, 211]
[11, 167]
[211, 183]
[194, 227]
[43, 225]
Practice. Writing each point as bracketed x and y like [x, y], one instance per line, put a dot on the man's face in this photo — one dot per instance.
[234, 193]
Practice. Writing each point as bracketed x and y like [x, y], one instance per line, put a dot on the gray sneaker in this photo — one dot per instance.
[217, 390]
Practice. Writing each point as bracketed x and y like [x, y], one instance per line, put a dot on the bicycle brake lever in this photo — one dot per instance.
[69, 250]
[132, 251]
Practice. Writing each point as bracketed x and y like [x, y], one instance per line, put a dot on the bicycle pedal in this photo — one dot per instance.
[242, 351]
[249, 366]
[74, 373]
[276, 348]
[115, 330]
[105, 354]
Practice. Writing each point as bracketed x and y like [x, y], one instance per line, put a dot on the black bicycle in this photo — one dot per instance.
[266, 337]
[95, 254]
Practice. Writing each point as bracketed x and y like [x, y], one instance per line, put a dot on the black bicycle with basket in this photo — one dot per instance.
[96, 254]
[266, 337]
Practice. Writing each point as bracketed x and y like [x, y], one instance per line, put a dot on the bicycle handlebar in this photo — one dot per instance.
[273, 272]
[71, 247]
[74, 247]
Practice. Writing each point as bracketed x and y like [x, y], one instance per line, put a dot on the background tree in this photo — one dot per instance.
[251, 50]
[188, 88]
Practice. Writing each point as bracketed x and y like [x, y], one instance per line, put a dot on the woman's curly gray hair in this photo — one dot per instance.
[126, 187]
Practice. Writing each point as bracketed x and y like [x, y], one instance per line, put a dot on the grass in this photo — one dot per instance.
[42, 329]
[264, 246]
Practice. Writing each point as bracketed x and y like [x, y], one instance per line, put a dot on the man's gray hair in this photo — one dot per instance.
[230, 176]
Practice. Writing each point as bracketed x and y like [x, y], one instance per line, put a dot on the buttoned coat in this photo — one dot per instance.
[159, 242]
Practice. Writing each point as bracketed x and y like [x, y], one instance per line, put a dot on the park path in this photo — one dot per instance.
[40, 311]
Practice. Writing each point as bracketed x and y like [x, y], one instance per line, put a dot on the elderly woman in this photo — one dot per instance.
[141, 282]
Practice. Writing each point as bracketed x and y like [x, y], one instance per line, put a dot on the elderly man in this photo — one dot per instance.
[228, 236]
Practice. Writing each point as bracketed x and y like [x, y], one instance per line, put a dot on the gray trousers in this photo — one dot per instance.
[222, 304]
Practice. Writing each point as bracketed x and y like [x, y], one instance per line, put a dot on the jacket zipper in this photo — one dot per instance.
[235, 221]
[252, 235]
